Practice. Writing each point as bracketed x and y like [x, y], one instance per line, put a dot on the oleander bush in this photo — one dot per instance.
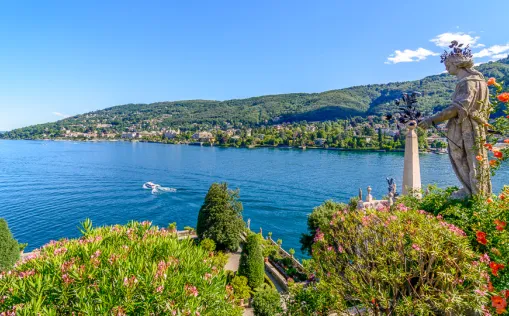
[484, 221]
[9, 247]
[136, 269]
[311, 300]
[251, 261]
[402, 262]
[220, 217]
[266, 301]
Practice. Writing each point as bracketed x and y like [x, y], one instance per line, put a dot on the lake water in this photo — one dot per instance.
[47, 188]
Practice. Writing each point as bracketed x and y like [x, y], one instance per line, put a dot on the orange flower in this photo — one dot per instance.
[500, 224]
[501, 196]
[481, 238]
[506, 141]
[495, 267]
[503, 97]
[490, 287]
[491, 81]
[478, 157]
[493, 163]
[489, 200]
[488, 146]
[498, 154]
[498, 302]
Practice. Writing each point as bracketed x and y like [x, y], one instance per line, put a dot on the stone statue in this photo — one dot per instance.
[392, 187]
[468, 117]
[369, 197]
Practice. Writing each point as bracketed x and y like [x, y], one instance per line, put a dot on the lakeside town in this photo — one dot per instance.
[371, 133]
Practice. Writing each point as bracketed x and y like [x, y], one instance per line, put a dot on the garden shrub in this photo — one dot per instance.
[136, 269]
[9, 248]
[240, 288]
[208, 244]
[484, 220]
[320, 216]
[402, 262]
[252, 263]
[220, 217]
[311, 300]
[266, 301]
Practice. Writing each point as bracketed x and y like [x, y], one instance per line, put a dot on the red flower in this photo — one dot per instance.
[479, 157]
[495, 267]
[501, 196]
[503, 97]
[488, 146]
[500, 224]
[481, 237]
[498, 154]
[506, 140]
[489, 200]
[490, 287]
[499, 303]
[491, 81]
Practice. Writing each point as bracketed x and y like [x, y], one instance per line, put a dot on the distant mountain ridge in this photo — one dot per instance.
[363, 100]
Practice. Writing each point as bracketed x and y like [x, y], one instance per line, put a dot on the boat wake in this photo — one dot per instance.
[156, 188]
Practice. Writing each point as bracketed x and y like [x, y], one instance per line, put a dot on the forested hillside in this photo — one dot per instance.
[330, 105]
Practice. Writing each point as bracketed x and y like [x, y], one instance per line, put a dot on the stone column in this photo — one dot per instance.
[411, 169]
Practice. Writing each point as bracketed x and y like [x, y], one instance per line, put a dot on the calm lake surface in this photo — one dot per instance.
[47, 188]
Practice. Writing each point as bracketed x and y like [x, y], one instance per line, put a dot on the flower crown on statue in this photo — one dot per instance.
[457, 52]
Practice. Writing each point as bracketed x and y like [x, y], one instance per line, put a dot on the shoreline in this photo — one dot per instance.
[217, 146]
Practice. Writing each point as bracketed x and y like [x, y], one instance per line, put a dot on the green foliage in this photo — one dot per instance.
[240, 288]
[401, 262]
[266, 301]
[208, 244]
[320, 217]
[251, 261]
[172, 227]
[291, 251]
[9, 248]
[220, 217]
[136, 269]
[311, 300]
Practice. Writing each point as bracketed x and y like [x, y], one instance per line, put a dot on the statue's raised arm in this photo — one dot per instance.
[466, 129]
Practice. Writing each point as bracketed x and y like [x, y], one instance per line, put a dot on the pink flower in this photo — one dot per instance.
[191, 290]
[128, 282]
[160, 289]
[329, 248]
[480, 293]
[59, 251]
[340, 249]
[318, 236]
[67, 280]
[485, 258]
[207, 276]
[416, 247]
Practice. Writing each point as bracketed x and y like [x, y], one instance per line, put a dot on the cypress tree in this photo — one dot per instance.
[251, 261]
[220, 217]
[9, 248]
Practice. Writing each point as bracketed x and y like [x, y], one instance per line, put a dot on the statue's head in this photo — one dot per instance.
[458, 58]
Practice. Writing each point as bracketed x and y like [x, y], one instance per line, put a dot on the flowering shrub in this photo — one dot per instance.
[401, 262]
[500, 102]
[484, 220]
[136, 269]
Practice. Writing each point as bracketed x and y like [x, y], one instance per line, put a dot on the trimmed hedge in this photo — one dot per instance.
[251, 261]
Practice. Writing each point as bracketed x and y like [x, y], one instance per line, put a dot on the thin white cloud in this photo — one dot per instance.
[495, 51]
[61, 115]
[408, 56]
[445, 39]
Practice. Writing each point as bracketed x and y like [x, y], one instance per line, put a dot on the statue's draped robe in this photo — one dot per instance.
[467, 134]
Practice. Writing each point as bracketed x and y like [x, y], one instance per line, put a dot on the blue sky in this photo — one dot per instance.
[61, 58]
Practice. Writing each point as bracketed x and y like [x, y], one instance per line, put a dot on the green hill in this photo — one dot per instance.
[365, 100]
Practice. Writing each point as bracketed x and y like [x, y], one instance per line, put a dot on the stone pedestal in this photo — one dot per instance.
[411, 169]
